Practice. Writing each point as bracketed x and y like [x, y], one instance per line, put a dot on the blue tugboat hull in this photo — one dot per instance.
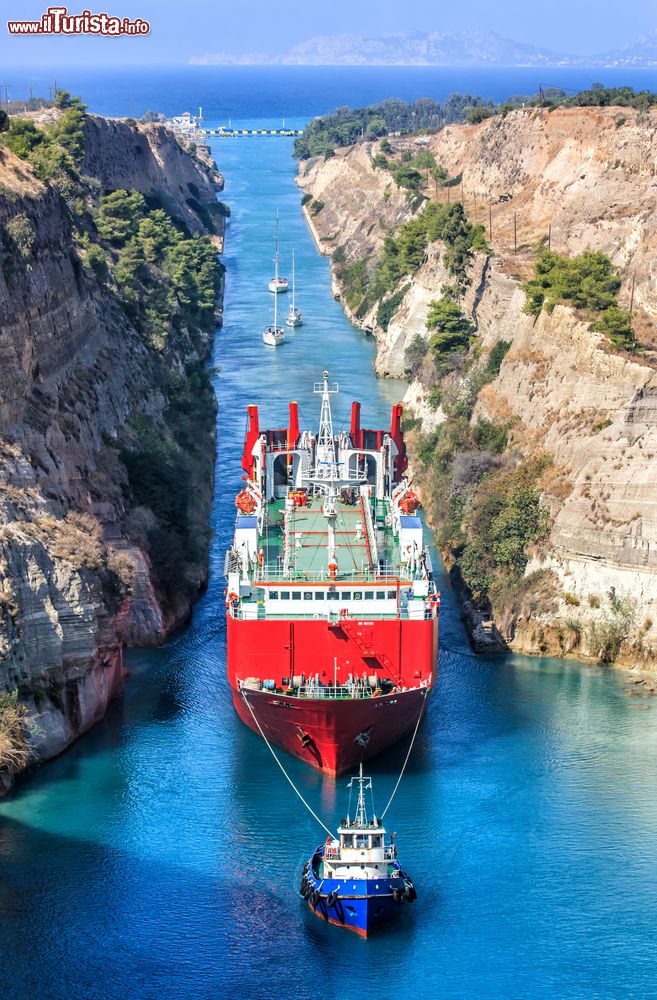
[359, 914]
[359, 905]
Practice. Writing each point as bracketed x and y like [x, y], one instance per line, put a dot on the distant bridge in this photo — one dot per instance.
[234, 133]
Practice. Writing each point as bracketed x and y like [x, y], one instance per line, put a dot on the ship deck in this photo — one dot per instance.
[310, 533]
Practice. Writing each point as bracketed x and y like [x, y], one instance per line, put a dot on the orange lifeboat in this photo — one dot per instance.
[409, 502]
[245, 502]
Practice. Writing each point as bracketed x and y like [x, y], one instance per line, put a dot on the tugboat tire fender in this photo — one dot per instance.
[332, 897]
[411, 893]
[398, 895]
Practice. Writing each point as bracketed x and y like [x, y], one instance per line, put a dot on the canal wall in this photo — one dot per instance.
[584, 179]
[95, 404]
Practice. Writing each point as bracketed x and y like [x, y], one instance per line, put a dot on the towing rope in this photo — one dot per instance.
[296, 790]
[401, 773]
[285, 774]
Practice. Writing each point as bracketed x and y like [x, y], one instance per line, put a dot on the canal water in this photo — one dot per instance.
[159, 858]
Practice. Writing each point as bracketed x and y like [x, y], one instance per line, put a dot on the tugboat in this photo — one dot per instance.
[355, 881]
[277, 284]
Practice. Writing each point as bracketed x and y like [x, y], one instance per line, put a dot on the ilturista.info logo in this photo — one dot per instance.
[58, 21]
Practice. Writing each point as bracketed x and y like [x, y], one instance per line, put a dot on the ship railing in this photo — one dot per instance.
[385, 572]
[335, 853]
[256, 612]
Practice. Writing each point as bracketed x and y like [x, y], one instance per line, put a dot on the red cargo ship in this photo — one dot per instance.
[331, 607]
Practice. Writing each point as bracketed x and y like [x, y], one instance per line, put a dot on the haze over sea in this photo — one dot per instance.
[160, 856]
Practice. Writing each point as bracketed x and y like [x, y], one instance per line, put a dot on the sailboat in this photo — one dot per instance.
[277, 283]
[294, 317]
[274, 335]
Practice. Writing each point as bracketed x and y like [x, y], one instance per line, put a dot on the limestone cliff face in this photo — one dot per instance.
[589, 174]
[75, 580]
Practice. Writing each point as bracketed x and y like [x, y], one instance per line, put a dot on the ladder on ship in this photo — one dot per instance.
[354, 632]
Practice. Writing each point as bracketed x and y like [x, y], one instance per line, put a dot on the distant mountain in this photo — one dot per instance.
[641, 53]
[413, 49]
[433, 49]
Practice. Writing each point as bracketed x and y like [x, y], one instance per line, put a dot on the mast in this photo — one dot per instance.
[326, 473]
[276, 254]
[276, 305]
[292, 310]
[360, 819]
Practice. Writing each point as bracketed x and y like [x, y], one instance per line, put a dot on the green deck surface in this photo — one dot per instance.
[310, 557]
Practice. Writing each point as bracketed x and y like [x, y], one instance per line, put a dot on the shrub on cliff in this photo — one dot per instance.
[589, 282]
[14, 747]
[22, 137]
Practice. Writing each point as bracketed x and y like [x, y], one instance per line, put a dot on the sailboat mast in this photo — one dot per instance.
[276, 254]
[275, 312]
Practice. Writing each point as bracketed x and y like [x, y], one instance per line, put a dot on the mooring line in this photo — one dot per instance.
[401, 773]
[285, 774]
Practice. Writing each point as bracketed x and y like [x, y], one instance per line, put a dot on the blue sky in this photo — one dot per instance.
[183, 29]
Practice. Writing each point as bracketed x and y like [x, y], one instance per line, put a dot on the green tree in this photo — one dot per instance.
[119, 215]
[453, 331]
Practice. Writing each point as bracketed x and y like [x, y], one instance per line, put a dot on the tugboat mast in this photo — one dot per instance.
[364, 784]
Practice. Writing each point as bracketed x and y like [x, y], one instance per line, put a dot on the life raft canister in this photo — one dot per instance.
[409, 503]
[245, 502]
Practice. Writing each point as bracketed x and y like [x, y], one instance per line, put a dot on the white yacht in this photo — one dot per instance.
[277, 284]
[274, 335]
[294, 316]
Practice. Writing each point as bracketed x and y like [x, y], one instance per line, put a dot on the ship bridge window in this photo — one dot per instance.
[361, 839]
[307, 595]
[285, 595]
[333, 595]
[369, 595]
[391, 595]
[296, 595]
[376, 840]
[273, 595]
[346, 595]
[347, 840]
[358, 595]
[380, 595]
[320, 595]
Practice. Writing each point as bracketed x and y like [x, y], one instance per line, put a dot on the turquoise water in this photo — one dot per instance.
[160, 856]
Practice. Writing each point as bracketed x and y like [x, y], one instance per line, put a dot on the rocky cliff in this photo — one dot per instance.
[585, 180]
[76, 377]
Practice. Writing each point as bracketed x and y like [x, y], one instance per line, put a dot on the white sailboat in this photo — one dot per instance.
[294, 316]
[277, 283]
[274, 335]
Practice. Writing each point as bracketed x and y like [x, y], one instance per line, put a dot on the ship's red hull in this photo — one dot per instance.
[332, 734]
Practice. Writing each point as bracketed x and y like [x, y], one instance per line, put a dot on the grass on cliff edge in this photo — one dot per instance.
[14, 748]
